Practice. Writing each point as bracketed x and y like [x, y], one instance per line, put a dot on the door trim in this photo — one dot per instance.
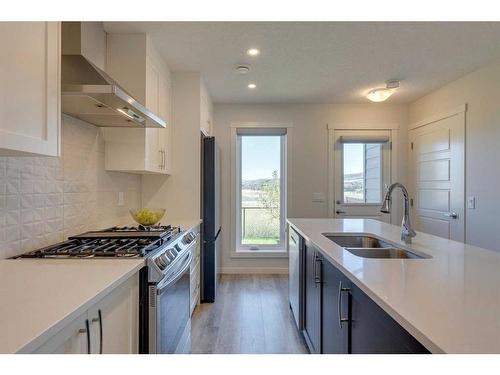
[394, 171]
[438, 116]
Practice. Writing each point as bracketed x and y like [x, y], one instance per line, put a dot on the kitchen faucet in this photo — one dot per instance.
[406, 230]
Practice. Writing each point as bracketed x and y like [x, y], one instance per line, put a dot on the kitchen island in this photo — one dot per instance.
[449, 302]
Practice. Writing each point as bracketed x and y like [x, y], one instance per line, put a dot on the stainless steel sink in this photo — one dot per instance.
[371, 247]
[384, 253]
[358, 241]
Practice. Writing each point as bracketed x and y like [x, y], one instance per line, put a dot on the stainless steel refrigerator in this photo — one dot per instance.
[211, 228]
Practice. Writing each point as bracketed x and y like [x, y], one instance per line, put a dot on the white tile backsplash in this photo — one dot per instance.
[43, 200]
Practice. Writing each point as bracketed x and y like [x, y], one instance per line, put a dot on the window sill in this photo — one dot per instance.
[242, 254]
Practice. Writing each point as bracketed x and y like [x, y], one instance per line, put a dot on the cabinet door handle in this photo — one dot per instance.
[339, 304]
[161, 159]
[87, 329]
[317, 278]
[164, 158]
[100, 330]
[95, 320]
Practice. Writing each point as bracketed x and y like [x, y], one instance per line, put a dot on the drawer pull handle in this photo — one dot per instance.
[339, 304]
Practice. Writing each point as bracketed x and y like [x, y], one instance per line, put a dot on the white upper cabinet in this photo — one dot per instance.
[30, 118]
[135, 64]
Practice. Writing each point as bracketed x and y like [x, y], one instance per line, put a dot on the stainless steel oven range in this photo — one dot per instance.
[169, 296]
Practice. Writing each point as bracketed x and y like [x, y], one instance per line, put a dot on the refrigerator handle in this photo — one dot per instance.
[217, 235]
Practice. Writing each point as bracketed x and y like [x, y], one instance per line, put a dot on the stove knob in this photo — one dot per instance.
[162, 261]
[166, 259]
[159, 262]
[171, 254]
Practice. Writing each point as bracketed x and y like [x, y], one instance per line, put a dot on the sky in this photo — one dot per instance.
[353, 158]
[260, 156]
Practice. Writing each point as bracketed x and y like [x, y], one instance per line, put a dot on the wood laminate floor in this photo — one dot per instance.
[251, 314]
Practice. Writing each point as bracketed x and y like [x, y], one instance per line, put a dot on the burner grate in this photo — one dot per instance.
[100, 247]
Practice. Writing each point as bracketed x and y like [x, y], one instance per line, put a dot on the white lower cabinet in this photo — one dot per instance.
[111, 326]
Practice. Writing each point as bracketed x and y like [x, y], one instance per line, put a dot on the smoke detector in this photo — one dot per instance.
[243, 69]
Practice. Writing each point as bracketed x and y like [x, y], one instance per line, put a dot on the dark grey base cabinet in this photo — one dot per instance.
[373, 331]
[339, 318]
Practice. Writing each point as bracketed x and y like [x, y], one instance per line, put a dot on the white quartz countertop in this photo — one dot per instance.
[187, 224]
[450, 302]
[39, 297]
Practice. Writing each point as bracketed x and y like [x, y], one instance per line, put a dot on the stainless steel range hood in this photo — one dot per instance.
[91, 95]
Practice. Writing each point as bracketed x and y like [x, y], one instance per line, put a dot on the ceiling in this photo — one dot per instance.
[321, 62]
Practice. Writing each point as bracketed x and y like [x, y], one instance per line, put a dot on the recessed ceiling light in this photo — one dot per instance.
[383, 93]
[253, 52]
[252, 86]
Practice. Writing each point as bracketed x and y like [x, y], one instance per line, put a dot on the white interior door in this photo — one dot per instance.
[362, 169]
[437, 177]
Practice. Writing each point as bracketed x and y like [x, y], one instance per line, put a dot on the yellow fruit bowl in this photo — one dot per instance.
[148, 216]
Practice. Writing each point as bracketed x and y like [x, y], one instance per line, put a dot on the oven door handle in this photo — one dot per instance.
[162, 286]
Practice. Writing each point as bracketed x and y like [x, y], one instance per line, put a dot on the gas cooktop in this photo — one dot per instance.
[160, 231]
[113, 242]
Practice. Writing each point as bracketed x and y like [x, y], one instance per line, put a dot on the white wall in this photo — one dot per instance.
[309, 154]
[43, 200]
[480, 91]
[179, 193]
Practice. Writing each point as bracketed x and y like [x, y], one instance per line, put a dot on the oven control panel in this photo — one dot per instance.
[160, 261]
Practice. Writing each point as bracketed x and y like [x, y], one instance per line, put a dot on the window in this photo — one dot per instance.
[261, 189]
[362, 173]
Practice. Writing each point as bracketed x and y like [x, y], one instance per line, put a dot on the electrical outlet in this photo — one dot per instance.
[471, 203]
[318, 197]
[121, 198]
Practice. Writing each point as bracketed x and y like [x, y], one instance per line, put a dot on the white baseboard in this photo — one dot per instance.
[253, 270]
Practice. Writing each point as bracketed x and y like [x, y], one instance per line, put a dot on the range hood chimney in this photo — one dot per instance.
[87, 92]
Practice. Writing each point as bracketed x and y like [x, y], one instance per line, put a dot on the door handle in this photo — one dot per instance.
[339, 304]
[452, 215]
[338, 212]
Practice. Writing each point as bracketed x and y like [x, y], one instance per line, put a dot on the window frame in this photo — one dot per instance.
[231, 224]
[281, 247]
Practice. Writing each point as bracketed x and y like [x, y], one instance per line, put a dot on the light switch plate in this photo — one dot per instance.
[121, 198]
[318, 197]
[471, 203]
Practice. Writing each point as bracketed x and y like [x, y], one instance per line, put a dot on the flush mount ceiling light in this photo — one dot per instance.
[383, 93]
[253, 52]
[252, 86]
[243, 69]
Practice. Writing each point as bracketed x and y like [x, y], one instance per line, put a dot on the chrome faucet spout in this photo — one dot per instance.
[407, 232]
